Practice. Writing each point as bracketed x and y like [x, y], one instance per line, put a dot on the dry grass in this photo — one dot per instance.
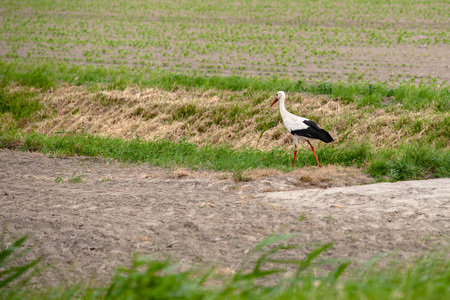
[6, 120]
[201, 117]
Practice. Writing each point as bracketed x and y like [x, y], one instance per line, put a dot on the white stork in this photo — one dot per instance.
[301, 128]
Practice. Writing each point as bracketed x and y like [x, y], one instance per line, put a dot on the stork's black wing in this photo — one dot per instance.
[314, 132]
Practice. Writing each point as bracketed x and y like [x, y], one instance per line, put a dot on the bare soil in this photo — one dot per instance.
[101, 212]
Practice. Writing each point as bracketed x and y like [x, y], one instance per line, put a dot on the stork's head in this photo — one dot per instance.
[280, 95]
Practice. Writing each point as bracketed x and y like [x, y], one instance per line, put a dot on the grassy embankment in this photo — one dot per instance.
[193, 44]
[416, 119]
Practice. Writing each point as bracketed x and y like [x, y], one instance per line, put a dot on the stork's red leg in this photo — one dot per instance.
[295, 154]
[312, 148]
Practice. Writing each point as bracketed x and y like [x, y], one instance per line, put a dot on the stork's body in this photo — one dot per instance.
[301, 128]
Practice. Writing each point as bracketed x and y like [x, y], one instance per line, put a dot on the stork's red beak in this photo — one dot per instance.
[274, 101]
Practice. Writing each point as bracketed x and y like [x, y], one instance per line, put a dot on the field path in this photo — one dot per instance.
[380, 216]
[112, 210]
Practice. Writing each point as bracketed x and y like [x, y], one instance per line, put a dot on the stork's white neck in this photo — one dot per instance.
[283, 110]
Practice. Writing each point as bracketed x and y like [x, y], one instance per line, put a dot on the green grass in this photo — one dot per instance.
[75, 178]
[269, 276]
[20, 104]
[407, 162]
[13, 270]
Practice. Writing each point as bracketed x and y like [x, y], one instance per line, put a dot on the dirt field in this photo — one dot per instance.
[322, 41]
[89, 226]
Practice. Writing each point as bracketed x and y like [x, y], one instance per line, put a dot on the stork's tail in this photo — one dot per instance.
[325, 137]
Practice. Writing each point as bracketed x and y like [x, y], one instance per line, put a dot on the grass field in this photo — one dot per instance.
[177, 84]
